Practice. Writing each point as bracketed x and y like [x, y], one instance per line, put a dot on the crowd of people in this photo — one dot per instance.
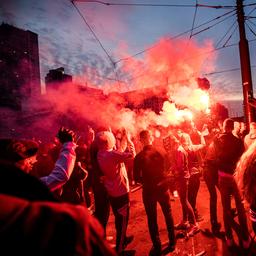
[55, 198]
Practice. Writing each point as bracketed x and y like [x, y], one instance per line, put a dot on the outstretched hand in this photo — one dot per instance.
[66, 135]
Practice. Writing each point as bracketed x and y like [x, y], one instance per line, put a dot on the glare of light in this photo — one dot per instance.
[189, 115]
[184, 114]
[204, 99]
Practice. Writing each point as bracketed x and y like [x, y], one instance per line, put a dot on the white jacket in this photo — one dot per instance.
[63, 167]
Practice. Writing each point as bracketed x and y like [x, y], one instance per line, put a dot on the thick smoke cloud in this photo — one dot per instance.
[169, 69]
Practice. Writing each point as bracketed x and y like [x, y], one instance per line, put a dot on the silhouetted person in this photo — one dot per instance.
[179, 164]
[32, 220]
[246, 179]
[101, 198]
[149, 169]
[228, 151]
[251, 136]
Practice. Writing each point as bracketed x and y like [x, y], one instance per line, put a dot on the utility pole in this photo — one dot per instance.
[245, 66]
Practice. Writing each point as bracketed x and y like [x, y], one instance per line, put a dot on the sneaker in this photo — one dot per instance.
[194, 229]
[155, 251]
[182, 225]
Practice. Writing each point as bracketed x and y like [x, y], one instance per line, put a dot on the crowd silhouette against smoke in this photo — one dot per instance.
[109, 143]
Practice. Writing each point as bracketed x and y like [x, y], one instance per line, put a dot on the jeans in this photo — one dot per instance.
[102, 204]
[121, 207]
[229, 188]
[150, 201]
[187, 210]
[211, 179]
[193, 188]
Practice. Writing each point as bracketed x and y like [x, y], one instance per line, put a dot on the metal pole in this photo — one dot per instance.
[245, 66]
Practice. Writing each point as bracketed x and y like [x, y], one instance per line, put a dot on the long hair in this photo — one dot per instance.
[246, 173]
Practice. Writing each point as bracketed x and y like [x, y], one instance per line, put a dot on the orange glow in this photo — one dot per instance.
[204, 99]
[184, 114]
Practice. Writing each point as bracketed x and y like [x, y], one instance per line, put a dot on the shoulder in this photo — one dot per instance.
[238, 140]
[139, 154]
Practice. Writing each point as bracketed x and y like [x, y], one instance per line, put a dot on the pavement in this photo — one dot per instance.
[203, 243]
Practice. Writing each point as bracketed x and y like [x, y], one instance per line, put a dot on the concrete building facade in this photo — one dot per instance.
[19, 66]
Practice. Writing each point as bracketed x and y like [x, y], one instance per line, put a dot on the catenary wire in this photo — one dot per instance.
[194, 19]
[172, 38]
[98, 40]
[153, 5]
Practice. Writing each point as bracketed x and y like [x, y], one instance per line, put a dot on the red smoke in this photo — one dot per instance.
[169, 69]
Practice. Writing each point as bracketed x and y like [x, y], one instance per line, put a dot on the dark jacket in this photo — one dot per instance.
[149, 167]
[228, 150]
[15, 182]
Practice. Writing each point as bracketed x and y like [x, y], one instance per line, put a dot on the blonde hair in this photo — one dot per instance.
[246, 173]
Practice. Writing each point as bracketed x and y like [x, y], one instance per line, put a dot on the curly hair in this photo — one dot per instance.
[246, 174]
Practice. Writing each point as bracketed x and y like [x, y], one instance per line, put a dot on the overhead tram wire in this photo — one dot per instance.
[174, 37]
[213, 25]
[205, 74]
[233, 32]
[252, 11]
[192, 28]
[248, 18]
[98, 40]
[194, 19]
[135, 4]
[223, 47]
[95, 36]
[204, 53]
[220, 48]
[228, 39]
[177, 37]
[222, 38]
[154, 5]
[251, 30]
[251, 22]
[208, 52]
[246, 5]
[225, 71]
